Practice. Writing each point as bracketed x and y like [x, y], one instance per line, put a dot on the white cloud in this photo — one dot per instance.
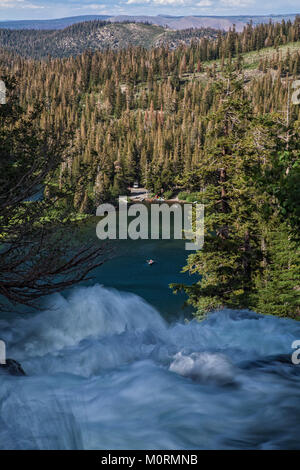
[192, 5]
[161, 2]
[204, 3]
[171, 2]
[95, 6]
[237, 3]
[18, 4]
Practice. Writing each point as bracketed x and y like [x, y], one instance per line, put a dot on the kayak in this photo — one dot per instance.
[150, 262]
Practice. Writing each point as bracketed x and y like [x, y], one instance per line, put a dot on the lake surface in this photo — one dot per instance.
[114, 364]
[127, 270]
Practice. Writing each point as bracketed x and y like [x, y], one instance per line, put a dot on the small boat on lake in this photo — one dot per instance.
[150, 262]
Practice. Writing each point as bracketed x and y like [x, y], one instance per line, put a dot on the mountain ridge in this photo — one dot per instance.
[173, 22]
[95, 36]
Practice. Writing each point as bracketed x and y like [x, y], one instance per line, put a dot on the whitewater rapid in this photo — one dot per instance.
[106, 371]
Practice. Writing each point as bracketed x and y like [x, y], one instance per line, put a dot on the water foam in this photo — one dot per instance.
[107, 372]
[204, 367]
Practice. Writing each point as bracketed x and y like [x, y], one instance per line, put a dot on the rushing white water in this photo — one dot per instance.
[105, 371]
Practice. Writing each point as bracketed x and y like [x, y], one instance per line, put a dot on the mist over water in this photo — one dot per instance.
[106, 371]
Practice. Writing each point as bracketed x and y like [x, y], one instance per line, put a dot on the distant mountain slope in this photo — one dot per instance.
[59, 23]
[173, 22]
[95, 35]
[186, 22]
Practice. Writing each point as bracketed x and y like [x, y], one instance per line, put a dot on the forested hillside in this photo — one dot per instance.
[214, 120]
[95, 36]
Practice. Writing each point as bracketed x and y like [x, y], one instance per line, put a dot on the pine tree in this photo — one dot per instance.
[278, 290]
[230, 255]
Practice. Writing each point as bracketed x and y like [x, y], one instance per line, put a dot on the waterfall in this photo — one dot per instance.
[106, 371]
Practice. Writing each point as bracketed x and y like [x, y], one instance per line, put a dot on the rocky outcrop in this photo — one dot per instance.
[11, 367]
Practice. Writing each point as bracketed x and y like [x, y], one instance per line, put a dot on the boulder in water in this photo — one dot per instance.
[204, 367]
[11, 367]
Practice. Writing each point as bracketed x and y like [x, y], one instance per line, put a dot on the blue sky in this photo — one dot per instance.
[43, 9]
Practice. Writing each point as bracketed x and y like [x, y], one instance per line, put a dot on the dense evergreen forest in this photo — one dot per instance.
[95, 36]
[214, 120]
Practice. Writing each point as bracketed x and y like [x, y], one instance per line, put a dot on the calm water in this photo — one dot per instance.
[113, 365]
[128, 270]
